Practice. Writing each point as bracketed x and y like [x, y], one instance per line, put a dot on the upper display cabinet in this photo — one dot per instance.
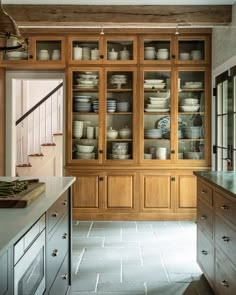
[106, 50]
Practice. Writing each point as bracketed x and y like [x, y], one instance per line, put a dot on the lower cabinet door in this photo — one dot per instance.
[61, 283]
[156, 190]
[4, 273]
[205, 255]
[225, 275]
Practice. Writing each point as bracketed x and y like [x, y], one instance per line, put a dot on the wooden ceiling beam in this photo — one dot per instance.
[138, 15]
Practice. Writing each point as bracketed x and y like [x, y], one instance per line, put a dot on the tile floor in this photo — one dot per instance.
[136, 258]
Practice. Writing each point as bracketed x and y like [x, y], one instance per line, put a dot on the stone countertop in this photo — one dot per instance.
[225, 180]
[14, 222]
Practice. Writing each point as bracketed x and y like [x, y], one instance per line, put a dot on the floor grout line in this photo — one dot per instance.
[80, 258]
[164, 266]
[121, 271]
[89, 229]
[96, 285]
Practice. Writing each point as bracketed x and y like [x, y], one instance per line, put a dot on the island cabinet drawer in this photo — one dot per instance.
[225, 275]
[205, 193]
[225, 238]
[225, 207]
[205, 218]
[56, 211]
[205, 255]
[56, 250]
[61, 283]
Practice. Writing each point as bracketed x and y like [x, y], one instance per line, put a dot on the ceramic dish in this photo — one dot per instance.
[164, 124]
[157, 110]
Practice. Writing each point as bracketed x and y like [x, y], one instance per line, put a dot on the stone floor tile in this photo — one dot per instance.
[105, 232]
[87, 242]
[166, 288]
[114, 224]
[108, 253]
[118, 244]
[84, 282]
[144, 226]
[132, 288]
[99, 266]
[138, 237]
[180, 277]
[109, 278]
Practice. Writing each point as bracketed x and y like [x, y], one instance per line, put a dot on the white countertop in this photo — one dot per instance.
[14, 222]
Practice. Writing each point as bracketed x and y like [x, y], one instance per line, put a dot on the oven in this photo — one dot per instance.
[29, 261]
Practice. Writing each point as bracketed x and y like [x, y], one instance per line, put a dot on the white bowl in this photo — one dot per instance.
[147, 156]
[85, 156]
[190, 101]
[193, 155]
[85, 148]
[189, 108]
[184, 56]
[16, 54]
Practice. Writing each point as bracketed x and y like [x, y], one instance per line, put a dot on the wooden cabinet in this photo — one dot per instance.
[100, 193]
[216, 236]
[42, 52]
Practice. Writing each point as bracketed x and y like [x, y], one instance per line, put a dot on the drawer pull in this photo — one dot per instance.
[224, 207]
[203, 191]
[55, 253]
[55, 214]
[204, 252]
[64, 203]
[224, 283]
[225, 239]
[64, 236]
[203, 217]
[65, 276]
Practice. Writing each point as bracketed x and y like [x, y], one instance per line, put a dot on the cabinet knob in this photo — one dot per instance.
[172, 178]
[101, 56]
[224, 283]
[30, 56]
[101, 178]
[100, 151]
[64, 276]
[55, 252]
[224, 207]
[64, 203]
[64, 236]
[55, 214]
[172, 151]
[203, 217]
[173, 56]
[204, 252]
[225, 239]
[203, 191]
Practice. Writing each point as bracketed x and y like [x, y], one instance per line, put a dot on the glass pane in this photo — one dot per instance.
[119, 119]
[85, 50]
[120, 50]
[156, 49]
[85, 115]
[191, 50]
[157, 121]
[48, 50]
[191, 116]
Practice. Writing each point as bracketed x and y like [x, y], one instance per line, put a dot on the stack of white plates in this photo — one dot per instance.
[157, 104]
[154, 84]
[111, 105]
[122, 106]
[81, 98]
[120, 151]
[95, 105]
[82, 106]
[77, 129]
[153, 133]
[189, 105]
[118, 80]
[87, 80]
[192, 85]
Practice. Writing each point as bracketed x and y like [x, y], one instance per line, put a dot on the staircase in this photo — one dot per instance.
[39, 138]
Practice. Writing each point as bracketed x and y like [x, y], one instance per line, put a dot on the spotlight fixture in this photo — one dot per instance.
[102, 31]
[177, 30]
[12, 39]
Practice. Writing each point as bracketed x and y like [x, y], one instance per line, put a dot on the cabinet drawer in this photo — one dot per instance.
[204, 193]
[205, 218]
[61, 283]
[225, 207]
[225, 237]
[4, 273]
[225, 282]
[205, 255]
[56, 211]
[56, 250]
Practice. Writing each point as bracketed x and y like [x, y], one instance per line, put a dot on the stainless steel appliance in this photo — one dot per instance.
[29, 261]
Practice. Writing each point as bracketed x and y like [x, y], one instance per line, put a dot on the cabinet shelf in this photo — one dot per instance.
[191, 139]
[119, 139]
[156, 113]
[85, 113]
[192, 90]
[191, 113]
[119, 90]
[119, 113]
[85, 89]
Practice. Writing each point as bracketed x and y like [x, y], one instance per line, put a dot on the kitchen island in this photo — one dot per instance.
[216, 229]
[48, 216]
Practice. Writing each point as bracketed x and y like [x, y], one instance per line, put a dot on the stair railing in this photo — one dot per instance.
[41, 121]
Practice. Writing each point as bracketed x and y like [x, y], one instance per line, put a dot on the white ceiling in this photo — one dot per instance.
[121, 2]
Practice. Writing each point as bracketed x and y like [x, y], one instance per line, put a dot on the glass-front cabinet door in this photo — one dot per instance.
[156, 49]
[156, 108]
[192, 130]
[120, 109]
[84, 112]
[193, 50]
